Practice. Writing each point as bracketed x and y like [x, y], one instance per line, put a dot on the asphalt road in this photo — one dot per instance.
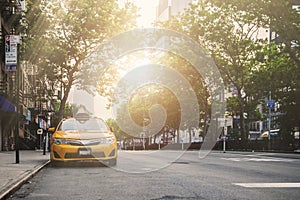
[163, 176]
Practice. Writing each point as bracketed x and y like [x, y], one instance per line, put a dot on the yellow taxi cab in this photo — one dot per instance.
[83, 139]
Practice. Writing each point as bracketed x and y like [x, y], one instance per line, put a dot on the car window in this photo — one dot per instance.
[90, 124]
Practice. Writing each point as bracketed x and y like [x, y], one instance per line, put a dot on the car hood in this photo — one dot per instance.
[82, 134]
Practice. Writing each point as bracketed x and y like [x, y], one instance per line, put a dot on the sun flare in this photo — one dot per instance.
[147, 12]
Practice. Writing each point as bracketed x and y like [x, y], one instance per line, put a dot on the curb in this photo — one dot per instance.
[13, 187]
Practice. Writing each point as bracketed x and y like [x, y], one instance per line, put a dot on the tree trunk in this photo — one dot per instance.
[242, 119]
[63, 102]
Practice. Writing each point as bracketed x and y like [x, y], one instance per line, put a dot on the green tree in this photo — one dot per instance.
[279, 63]
[115, 128]
[197, 86]
[33, 26]
[230, 36]
[145, 97]
[68, 112]
[276, 78]
[284, 71]
[148, 96]
[280, 16]
[73, 31]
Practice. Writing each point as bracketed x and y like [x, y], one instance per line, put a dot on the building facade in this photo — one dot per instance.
[28, 99]
[167, 8]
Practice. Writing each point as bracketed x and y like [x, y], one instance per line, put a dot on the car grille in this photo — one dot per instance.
[93, 155]
[85, 142]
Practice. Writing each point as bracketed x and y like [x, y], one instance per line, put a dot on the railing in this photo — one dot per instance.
[29, 135]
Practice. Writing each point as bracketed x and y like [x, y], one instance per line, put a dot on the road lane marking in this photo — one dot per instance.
[268, 185]
[259, 159]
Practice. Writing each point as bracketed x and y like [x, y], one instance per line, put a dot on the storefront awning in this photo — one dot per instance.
[6, 106]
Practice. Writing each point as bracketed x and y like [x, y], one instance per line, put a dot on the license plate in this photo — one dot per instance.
[84, 152]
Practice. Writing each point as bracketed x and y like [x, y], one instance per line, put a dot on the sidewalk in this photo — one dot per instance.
[13, 175]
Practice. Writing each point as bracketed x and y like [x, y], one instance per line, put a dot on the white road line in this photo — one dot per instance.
[268, 185]
[232, 159]
[259, 159]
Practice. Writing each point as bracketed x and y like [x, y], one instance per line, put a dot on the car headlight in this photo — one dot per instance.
[110, 140]
[60, 141]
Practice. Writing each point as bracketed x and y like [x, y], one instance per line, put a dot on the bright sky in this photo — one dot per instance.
[147, 12]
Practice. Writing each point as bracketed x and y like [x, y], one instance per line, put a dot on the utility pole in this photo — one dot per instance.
[17, 118]
[17, 146]
[224, 134]
[12, 64]
[270, 106]
[14, 41]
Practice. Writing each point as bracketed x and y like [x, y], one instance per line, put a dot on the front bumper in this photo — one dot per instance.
[67, 152]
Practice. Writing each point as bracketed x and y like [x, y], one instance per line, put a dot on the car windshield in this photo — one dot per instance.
[83, 124]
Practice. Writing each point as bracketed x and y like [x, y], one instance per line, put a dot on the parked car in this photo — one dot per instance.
[83, 139]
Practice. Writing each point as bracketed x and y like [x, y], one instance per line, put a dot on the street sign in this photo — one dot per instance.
[227, 120]
[11, 50]
[296, 135]
[270, 104]
[225, 130]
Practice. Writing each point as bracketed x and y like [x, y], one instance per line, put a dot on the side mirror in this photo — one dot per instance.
[52, 129]
[111, 129]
